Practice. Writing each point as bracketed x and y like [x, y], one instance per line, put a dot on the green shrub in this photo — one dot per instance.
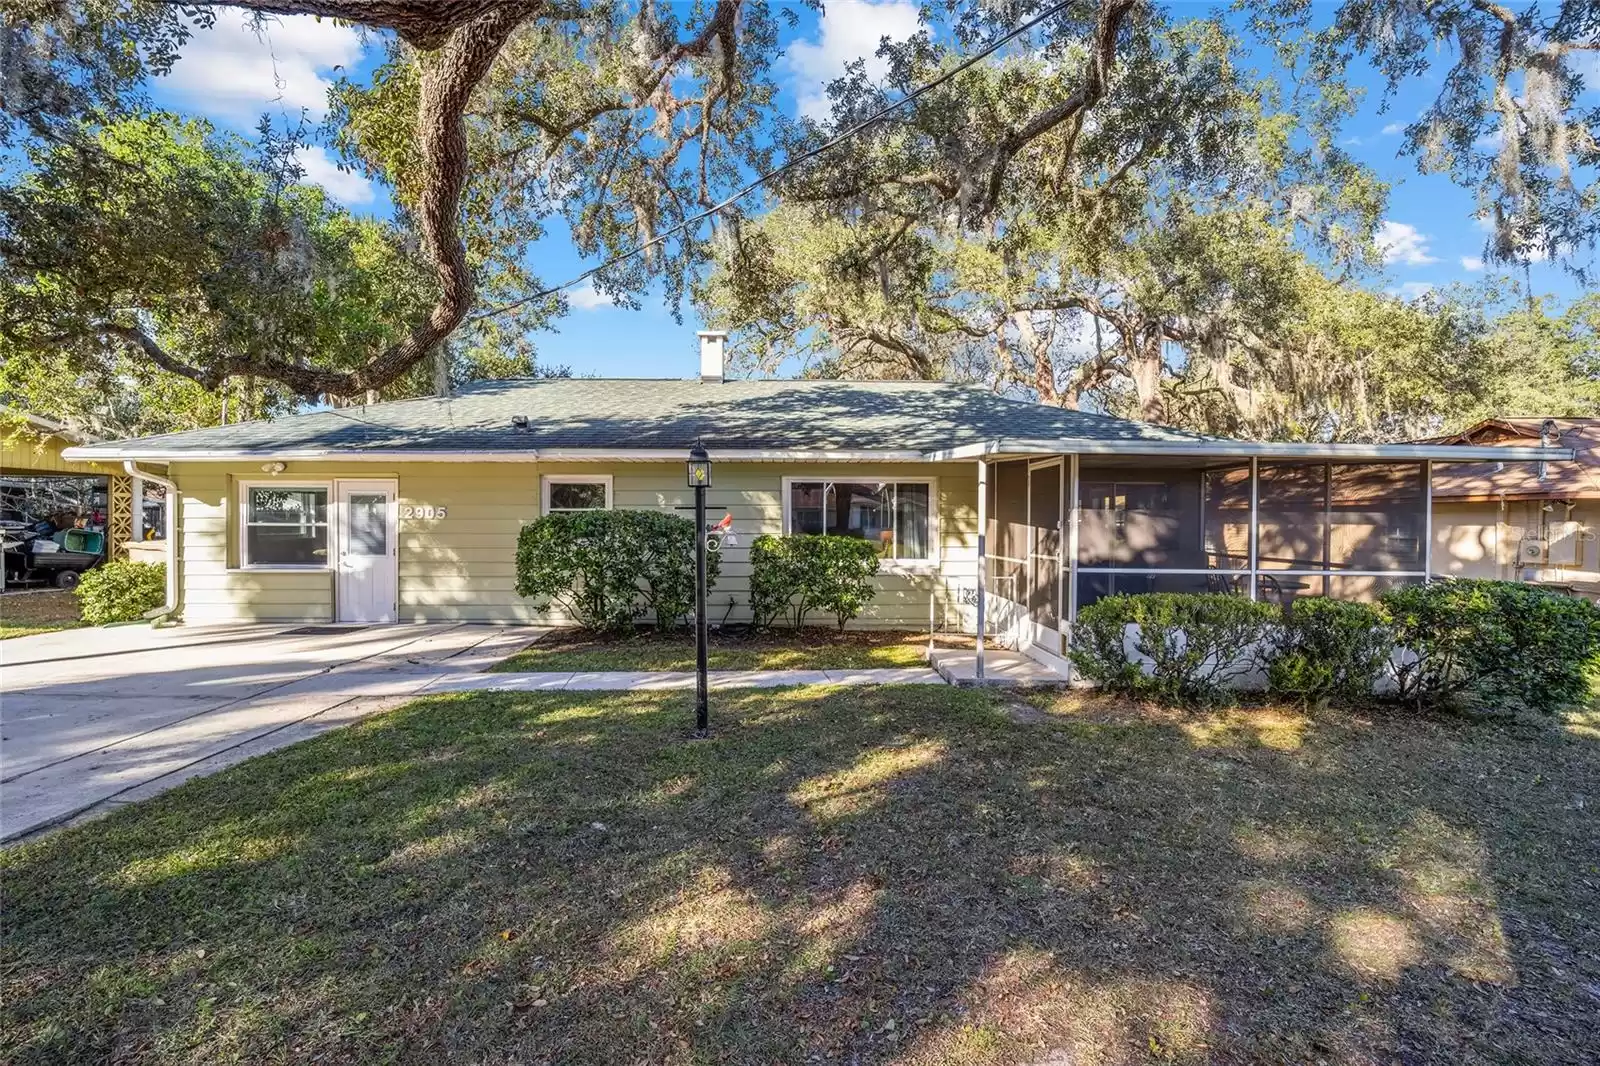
[667, 582]
[121, 592]
[1197, 644]
[806, 573]
[1436, 626]
[1549, 639]
[1330, 650]
[1495, 645]
[606, 569]
[775, 580]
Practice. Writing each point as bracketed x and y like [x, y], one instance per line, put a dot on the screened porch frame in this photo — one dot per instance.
[1252, 573]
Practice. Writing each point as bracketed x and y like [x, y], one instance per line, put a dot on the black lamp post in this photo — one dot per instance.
[700, 480]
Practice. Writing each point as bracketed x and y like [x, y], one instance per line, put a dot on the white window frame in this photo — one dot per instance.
[572, 479]
[244, 525]
[935, 544]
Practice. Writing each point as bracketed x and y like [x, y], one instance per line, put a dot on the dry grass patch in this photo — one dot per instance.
[25, 613]
[737, 648]
[880, 875]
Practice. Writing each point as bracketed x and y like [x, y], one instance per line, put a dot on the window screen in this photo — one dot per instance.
[286, 526]
[895, 516]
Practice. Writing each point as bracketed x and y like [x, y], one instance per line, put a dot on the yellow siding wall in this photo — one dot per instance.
[24, 452]
[215, 591]
[462, 567]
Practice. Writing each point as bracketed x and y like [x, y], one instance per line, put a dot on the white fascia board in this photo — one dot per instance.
[548, 455]
[734, 455]
[159, 455]
[1244, 449]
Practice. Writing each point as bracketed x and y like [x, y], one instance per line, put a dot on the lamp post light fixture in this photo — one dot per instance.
[700, 480]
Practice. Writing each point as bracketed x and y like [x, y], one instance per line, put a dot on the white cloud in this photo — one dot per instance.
[1399, 242]
[1393, 128]
[1471, 262]
[585, 297]
[850, 30]
[1413, 290]
[231, 74]
[348, 188]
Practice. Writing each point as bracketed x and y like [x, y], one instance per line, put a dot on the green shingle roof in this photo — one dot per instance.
[615, 413]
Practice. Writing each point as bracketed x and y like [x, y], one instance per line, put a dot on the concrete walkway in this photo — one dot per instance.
[91, 719]
[1001, 668]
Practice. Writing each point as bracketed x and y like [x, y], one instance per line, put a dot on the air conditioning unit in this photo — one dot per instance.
[1532, 550]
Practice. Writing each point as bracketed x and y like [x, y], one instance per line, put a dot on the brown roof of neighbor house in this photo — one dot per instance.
[1578, 479]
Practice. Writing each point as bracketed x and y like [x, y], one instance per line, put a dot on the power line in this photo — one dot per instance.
[789, 164]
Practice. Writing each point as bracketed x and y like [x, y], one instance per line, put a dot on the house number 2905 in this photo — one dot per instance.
[420, 511]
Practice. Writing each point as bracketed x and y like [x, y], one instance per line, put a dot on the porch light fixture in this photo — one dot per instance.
[699, 467]
[700, 480]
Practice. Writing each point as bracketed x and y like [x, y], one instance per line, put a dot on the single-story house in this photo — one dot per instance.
[1522, 521]
[409, 511]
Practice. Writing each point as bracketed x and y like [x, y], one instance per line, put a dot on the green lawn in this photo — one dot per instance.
[890, 875]
[23, 614]
[740, 649]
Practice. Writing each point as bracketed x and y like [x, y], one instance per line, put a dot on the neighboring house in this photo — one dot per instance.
[1522, 521]
[409, 510]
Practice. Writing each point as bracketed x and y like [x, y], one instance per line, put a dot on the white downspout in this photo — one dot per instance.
[171, 511]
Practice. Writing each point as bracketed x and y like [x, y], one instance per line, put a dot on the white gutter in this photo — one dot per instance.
[1242, 449]
[745, 455]
[171, 510]
[1223, 449]
[156, 455]
[547, 455]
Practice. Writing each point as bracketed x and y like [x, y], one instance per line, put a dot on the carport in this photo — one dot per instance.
[36, 483]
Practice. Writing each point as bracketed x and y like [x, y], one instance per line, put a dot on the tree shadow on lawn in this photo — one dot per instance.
[855, 875]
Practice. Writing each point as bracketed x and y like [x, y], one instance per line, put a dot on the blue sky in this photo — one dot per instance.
[231, 76]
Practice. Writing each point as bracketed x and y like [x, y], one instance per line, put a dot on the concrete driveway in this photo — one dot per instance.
[90, 719]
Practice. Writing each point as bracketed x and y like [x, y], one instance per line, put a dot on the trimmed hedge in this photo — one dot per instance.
[1196, 644]
[810, 572]
[1492, 645]
[607, 569]
[122, 591]
[1330, 650]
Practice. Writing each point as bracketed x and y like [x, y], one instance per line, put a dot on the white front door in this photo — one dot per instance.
[368, 583]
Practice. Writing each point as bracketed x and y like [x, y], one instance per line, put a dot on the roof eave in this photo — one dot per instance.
[544, 455]
[1177, 449]
[1246, 449]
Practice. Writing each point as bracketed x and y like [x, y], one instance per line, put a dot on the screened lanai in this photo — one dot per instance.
[1062, 531]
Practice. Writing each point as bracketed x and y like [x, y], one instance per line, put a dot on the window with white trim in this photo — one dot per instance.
[576, 492]
[897, 516]
[285, 526]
